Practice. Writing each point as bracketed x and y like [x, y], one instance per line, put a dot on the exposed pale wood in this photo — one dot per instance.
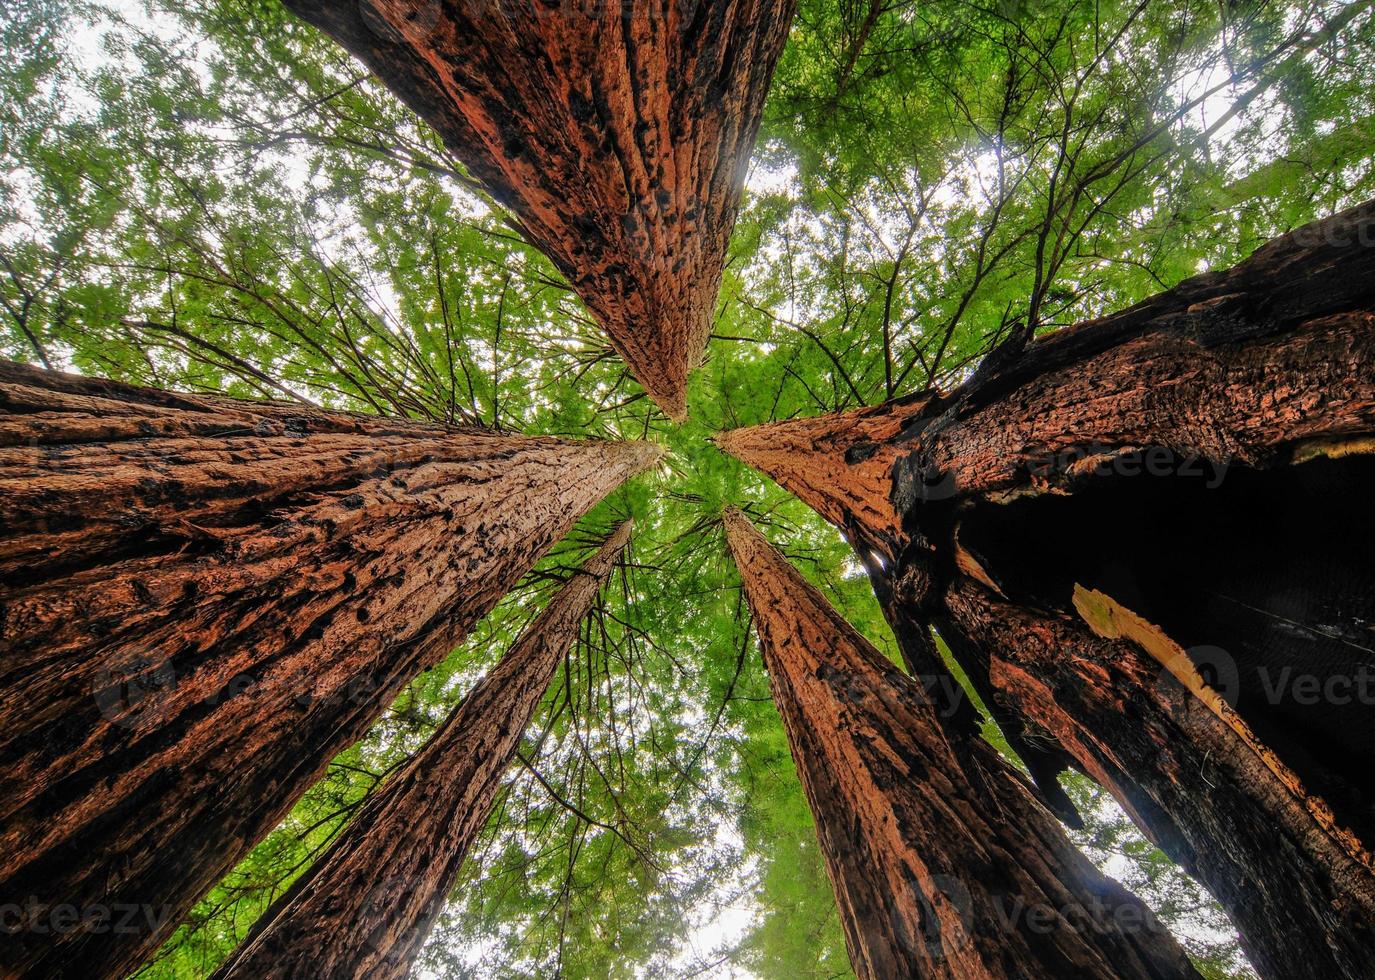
[943, 863]
[1299, 888]
[202, 601]
[617, 133]
[1111, 620]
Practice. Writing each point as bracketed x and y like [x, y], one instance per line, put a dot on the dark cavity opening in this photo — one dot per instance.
[1266, 577]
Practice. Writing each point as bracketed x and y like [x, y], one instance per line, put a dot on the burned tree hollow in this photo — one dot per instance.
[202, 601]
[618, 142]
[1264, 577]
[1197, 467]
[364, 908]
[944, 864]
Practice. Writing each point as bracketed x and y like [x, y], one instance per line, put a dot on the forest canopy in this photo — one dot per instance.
[216, 197]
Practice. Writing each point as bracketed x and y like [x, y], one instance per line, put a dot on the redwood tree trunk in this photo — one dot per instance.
[1201, 463]
[943, 862]
[204, 600]
[617, 133]
[364, 908]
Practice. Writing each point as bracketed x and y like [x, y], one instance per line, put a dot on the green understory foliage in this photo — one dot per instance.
[212, 196]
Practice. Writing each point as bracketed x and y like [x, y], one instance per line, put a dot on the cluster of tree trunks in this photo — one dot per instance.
[364, 908]
[202, 601]
[1137, 535]
[616, 133]
[1133, 535]
[944, 863]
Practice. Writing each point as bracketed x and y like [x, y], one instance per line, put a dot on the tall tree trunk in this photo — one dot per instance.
[1199, 465]
[943, 862]
[364, 908]
[617, 134]
[204, 600]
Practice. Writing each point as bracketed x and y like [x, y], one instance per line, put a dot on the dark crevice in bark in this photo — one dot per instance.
[1264, 577]
[1038, 750]
[907, 603]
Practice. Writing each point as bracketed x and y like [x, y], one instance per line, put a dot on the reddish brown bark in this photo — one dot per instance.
[617, 134]
[364, 908]
[1208, 791]
[839, 464]
[943, 863]
[1263, 364]
[204, 600]
[1252, 394]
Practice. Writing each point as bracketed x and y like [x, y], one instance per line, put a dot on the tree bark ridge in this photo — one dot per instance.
[943, 862]
[618, 140]
[364, 907]
[203, 601]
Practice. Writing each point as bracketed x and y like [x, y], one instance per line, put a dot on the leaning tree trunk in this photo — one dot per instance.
[364, 908]
[943, 862]
[1197, 466]
[617, 134]
[204, 600]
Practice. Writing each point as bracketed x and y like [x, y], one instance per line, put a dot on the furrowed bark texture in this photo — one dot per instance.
[1261, 365]
[943, 863]
[616, 133]
[204, 600]
[364, 908]
[1202, 461]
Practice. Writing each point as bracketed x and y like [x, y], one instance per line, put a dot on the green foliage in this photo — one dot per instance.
[213, 197]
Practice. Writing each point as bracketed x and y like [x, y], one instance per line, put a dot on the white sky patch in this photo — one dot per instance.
[1210, 928]
[723, 923]
[767, 179]
[1209, 83]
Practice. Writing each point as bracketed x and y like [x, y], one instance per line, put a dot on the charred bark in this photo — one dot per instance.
[617, 134]
[1133, 711]
[1201, 462]
[203, 601]
[943, 862]
[364, 908]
